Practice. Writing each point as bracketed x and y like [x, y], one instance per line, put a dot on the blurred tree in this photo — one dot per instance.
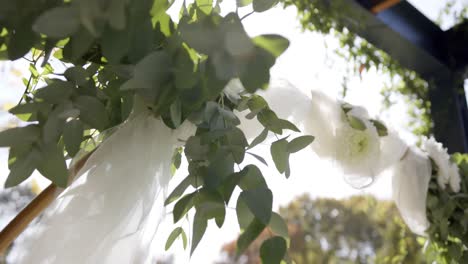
[360, 229]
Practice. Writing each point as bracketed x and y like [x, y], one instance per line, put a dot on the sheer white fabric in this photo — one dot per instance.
[112, 211]
[410, 183]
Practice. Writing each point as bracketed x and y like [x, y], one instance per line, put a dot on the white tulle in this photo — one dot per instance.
[410, 183]
[112, 211]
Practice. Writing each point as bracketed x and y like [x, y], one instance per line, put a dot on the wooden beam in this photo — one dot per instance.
[383, 5]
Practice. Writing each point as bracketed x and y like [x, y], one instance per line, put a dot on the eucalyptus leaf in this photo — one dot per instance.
[199, 228]
[244, 215]
[77, 75]
[19, 135]
[259, 158]
[275, 44]
[273, 250]
[263, 5]
[299, 143]
[183, 206]
[23, 168]
[53, 166]
[56, 92]
[259, 139]
[59, 22]
[176, 113]
[72, 136]
[381, 128]
[179, 190]
[92, 112]
[173, 236]
[356, 123]
[254, 229]
[253, 179]
[280, 154]
[278, 225]
[260, 202]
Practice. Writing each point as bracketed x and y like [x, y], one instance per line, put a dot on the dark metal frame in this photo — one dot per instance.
[438, 56]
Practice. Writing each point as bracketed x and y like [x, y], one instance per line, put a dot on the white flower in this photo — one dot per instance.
[454, 178]
[358, 152]
[233, 89]
[410, 183]
[441, 158]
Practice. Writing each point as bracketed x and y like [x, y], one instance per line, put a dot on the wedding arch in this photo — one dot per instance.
[143, 93]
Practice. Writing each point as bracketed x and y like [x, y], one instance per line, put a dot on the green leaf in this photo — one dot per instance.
[381, 128]
[116, 14]
[20, 41]
[199, 228]
[211, 205]
[269, 120]
[275, 44]
[23, 168]
[241, 3]
[262, 160]
[257, 103]
[194, 149]
[185, 77]
[285, 124]
[77, 75]
[53, 165]
[278, 225]
[151, 72]
[280, 154]
[202, 35]
[263, 5]
[72, 136]
[299, 143]
[356, 123]
[59, 22]
[253, 179]
[33, 107]
[115, 44]
[254, 229]
[19, 136]
[244, 215]
[183, 206]
[259, 139]
[179, 190]
[56, 92]
[273, 250]
[260, 202]
[174, 235]
[177, 157]
[52, 128]
[92, 112]
[206, 6]
[236, 143]
[176, 113]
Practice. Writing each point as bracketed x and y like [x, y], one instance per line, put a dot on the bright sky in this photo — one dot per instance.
[307, 64]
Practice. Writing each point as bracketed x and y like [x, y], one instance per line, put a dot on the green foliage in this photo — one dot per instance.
[116, 50]
[359, 229]
[178, 231]
[446, 211]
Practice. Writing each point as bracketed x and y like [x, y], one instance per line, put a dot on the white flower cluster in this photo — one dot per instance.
[347, 135]
[446, 171]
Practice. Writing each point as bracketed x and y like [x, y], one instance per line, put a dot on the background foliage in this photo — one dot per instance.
[359, 229]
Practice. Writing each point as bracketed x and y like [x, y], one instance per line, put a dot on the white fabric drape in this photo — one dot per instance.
[112, 211]
[410, 183]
